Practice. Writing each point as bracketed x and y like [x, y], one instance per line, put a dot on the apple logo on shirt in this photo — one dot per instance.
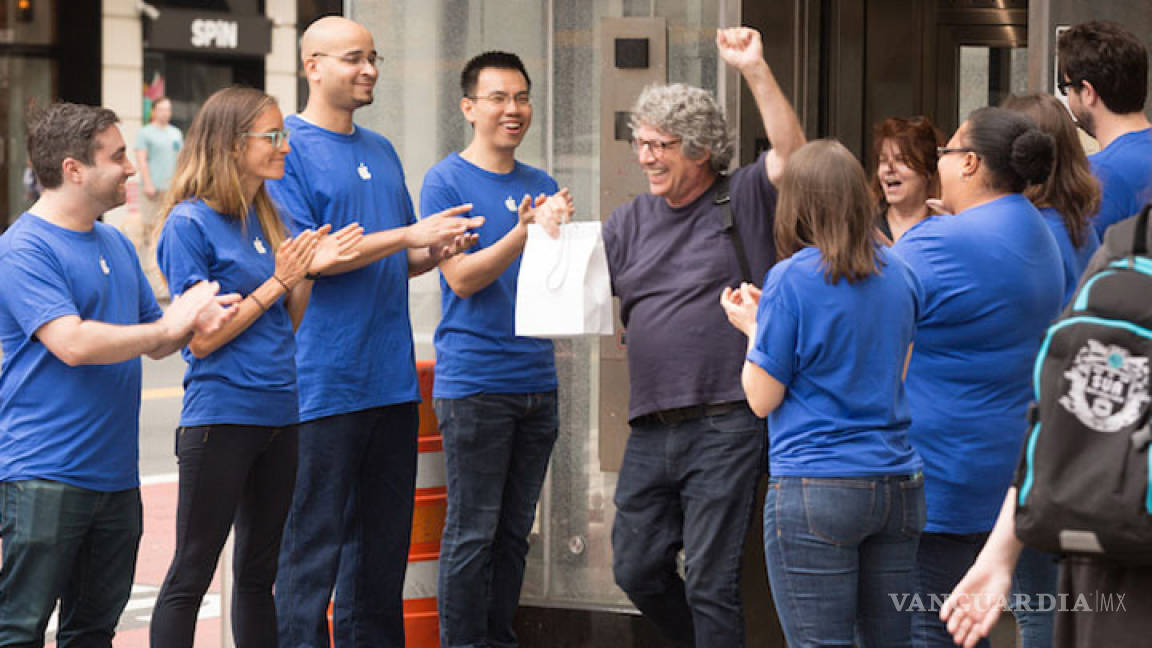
[365, 174]
[259, 245]
[510, 203]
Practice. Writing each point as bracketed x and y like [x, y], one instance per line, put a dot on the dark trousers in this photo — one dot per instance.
[689, 486]
[71, 544]
[944, 558]
[496, 450]
[349, 530]
[229, 474]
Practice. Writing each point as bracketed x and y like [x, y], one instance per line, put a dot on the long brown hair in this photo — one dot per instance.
[824, 203]
[208, 167]
[1071, 189]
[916, 138]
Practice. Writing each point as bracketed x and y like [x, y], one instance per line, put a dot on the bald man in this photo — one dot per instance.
[351, 513]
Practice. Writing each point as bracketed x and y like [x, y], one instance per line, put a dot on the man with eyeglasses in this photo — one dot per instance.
[495, 393]
[1104, 72]
[696, 450]
[351, 516]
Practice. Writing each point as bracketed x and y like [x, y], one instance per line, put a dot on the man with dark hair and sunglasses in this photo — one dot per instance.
[1104, 72]
[495, 393]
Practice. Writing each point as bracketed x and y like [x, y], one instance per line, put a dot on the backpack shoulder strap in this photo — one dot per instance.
[724, 201]
[1140, 234]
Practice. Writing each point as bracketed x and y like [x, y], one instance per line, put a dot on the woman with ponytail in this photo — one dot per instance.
[993, 280]
[236, 444]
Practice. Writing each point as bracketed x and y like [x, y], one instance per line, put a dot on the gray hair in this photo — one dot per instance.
[689, 113]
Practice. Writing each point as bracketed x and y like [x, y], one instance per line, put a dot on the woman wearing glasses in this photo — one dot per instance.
[236, 443]
[993, 280]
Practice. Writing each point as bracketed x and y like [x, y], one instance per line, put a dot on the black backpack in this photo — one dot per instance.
[1083, 476]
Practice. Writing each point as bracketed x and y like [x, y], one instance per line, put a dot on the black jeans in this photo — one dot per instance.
[228, 473]
[688, 485]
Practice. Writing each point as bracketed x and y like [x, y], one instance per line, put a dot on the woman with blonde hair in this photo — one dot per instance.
[827, 344]
[1070, 196]
[236, 443]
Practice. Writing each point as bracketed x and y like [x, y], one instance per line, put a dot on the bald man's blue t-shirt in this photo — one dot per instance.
[77, 425]
[354, 347]
[1124, 169]
[839, 350]
[477, 350]
[993, 281]
[251, 380]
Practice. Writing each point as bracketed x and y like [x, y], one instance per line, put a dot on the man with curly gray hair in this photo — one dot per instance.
[696, 450]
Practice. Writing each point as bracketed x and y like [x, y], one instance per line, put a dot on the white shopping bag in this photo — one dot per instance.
[563, 288]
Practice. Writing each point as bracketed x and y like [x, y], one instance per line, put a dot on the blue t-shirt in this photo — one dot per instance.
[1125, 173]
[252, 379]
[77, 425]
[477, 350]
[839, 349]
[1075, 259]
[993, 281]
[669, 266]
[354, 347]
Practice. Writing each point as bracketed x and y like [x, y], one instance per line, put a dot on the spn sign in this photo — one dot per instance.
[213, 32]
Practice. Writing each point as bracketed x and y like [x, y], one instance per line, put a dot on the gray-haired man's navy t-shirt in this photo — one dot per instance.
[669, 266]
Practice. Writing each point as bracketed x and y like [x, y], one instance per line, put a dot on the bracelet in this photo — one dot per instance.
[312, 276]
[263, 308]
[281, 282]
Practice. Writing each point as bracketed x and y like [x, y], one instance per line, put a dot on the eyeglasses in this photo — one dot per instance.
[355, 59]
[655, 147]
[500, 99]
[941, 151]
[277, 137]
[1063, 86]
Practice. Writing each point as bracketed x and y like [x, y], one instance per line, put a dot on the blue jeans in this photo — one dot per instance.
[496, 449]
[68, 543]
[836, 550]
[688, 485]
[942, 561]
[349, 529]
[239, 474]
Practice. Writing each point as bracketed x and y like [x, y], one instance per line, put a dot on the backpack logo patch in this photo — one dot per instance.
[1108, 387]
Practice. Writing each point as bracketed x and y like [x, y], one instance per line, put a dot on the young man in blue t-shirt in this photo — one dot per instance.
[351, 516]
[1104, 72]
[76, 314]
[495, 392]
